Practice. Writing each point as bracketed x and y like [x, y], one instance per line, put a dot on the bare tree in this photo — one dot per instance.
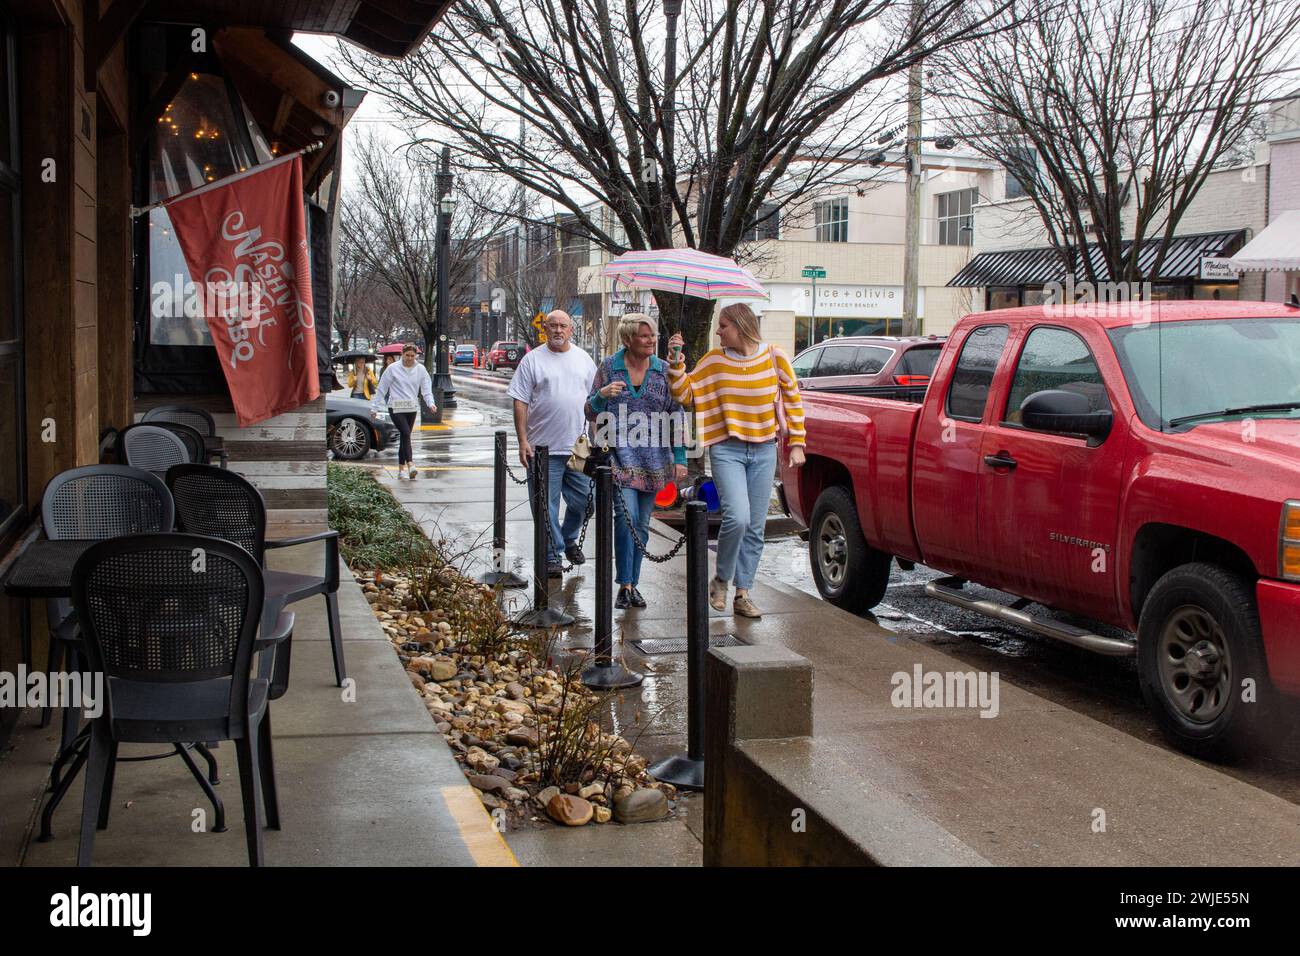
[389, 223]
[351, 280]
[377, 313]
[1111, 113]
[765, 92]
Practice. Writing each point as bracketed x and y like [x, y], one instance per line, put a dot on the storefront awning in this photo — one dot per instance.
[390, 28]
[1016, 267]
[1275, 249]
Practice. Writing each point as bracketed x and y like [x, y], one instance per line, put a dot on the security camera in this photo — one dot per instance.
[331, 98]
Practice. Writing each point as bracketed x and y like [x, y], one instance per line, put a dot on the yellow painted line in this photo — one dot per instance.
[454, 423]
[420, 467]
[485, 844]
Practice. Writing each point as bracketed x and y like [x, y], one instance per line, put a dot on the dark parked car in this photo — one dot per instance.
[868, 360]
[505, 355]
[350, 432]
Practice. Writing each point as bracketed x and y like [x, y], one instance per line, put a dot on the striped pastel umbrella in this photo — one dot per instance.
[685, 271]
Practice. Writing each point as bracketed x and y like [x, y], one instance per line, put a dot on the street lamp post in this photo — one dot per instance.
[446, 206]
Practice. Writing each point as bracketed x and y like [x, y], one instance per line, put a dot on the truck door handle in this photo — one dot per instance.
[1000, 460]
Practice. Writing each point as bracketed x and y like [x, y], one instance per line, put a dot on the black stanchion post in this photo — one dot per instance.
[542, 615]
[499, 576]
[686, 771]
[604, 672]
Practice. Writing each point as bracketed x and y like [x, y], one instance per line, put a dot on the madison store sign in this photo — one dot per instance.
[833, 299]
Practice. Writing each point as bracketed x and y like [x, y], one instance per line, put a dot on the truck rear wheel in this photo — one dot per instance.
[849, 573]
[1199, 644]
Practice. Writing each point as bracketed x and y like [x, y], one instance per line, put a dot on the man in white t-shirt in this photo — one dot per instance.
[550, 388]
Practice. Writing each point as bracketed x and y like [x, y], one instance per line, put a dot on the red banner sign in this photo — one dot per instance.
[245, 241]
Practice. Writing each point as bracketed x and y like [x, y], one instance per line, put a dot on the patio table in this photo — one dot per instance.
[44, 570]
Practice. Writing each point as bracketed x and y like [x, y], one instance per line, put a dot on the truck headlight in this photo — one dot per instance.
[1289, 546]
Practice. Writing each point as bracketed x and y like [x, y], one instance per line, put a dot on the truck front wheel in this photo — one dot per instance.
[1201, 662]
[849, 573]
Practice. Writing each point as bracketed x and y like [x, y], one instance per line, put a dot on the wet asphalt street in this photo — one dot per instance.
[1103, 688]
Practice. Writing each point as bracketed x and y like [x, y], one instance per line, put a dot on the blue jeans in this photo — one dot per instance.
[566, 482]
[744, 473]
[639, 505]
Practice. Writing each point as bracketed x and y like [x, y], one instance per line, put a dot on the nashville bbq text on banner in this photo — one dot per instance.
[245, 241]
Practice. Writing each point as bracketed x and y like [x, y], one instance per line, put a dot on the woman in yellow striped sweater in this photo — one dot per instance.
[740, 393]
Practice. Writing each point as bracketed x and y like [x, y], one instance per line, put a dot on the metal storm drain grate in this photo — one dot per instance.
[677, 645]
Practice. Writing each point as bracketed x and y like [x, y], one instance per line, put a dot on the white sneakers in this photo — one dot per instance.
[741, 606]
[744, 607]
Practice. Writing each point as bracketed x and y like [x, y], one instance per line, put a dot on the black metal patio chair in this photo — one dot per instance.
[195, 444]
[224, 504]
[94, 503]
[174, 641]
[151, 448]
[197, 418]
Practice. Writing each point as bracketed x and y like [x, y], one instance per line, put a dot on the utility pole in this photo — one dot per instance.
[912, 232]
[672, 10]
[521, 238]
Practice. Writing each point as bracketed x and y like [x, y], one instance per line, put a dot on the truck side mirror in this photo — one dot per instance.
[1056, 410]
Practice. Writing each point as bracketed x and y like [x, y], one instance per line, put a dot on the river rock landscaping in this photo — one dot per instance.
[525, 730]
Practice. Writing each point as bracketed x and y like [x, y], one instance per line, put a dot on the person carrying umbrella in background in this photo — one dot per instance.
[741, 392]
[361, 380]
[637, 380]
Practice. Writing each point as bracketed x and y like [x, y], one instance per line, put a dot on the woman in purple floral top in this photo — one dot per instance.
[638, 420]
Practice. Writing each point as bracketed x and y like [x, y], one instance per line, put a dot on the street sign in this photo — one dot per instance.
[538, 320]
[814, 272]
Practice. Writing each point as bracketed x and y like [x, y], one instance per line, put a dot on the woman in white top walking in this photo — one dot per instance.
[400, 388]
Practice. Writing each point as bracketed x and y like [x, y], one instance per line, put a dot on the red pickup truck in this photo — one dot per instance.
[1136, 464]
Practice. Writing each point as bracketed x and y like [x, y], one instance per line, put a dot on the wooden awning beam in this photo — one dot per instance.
[104, 33]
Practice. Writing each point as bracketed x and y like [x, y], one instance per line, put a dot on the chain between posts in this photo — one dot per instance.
[636, 538]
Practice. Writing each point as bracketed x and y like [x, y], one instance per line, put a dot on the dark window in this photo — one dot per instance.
[870, 359]
[13, 489]
[919, 361]
[805, 362]
[836, 360]
[197, 140]
[973, 376]
[1003, 298]
[766, 224]
[956, 222]
[1058, 359]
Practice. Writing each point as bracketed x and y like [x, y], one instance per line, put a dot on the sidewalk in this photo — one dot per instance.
[1022, 788]
[364, 783]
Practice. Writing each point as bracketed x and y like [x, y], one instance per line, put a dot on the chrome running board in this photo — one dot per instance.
[944, 590]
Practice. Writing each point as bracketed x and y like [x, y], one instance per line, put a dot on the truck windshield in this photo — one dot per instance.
[1181, 374]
